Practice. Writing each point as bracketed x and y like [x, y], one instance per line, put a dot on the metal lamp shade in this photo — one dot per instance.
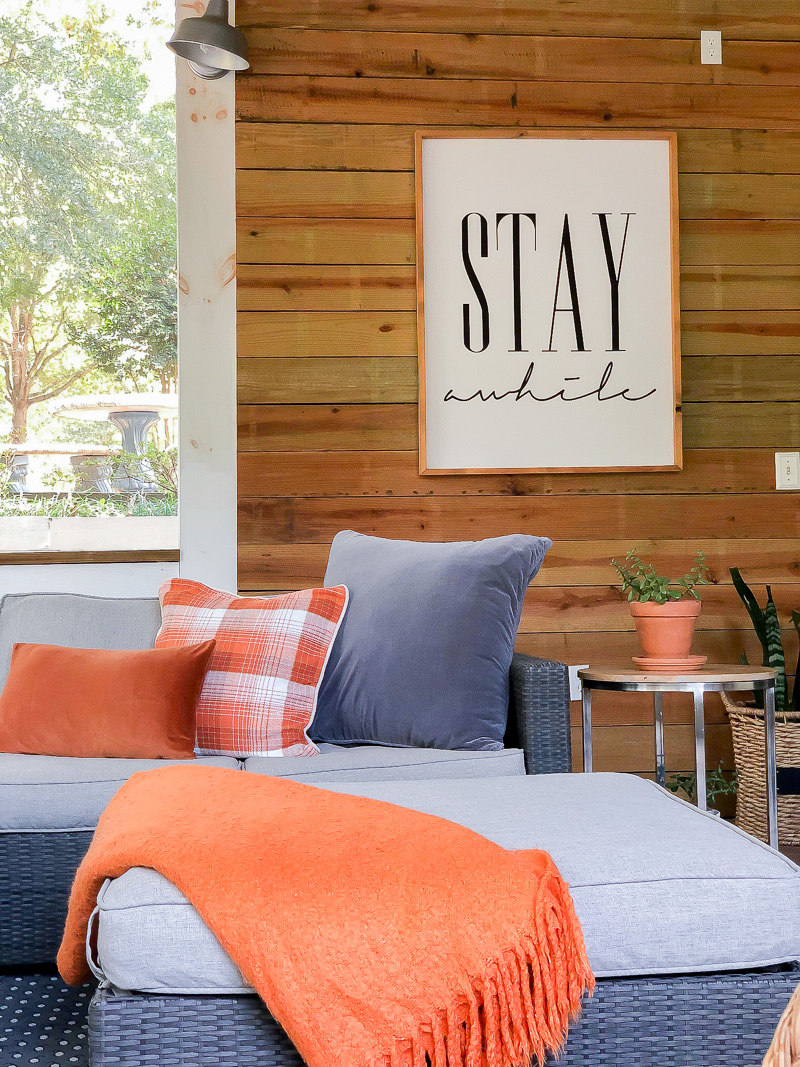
[209, 44]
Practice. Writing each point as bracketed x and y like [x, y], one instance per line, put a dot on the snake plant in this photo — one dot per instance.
[768, 631]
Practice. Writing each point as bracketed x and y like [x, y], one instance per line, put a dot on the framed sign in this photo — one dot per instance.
[548, 304]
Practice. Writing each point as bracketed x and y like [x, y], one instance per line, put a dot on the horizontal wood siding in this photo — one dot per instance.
[327, 304]
[770, 20]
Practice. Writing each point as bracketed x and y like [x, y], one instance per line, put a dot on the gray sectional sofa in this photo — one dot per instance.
[50, 805]
[692, 927]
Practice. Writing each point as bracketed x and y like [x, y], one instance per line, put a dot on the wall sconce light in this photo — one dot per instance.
[209, 44]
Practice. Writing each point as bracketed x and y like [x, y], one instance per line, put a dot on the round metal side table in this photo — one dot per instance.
[710, 679]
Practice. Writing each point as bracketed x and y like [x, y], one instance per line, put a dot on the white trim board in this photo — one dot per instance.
[207, 323]
[99, 579]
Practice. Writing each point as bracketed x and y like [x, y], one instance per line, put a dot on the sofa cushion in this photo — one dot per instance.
[423, 656]
[260, 693]
[76, 621]
[659, 887]
[372, 763]
[101, 702]
[42, 793]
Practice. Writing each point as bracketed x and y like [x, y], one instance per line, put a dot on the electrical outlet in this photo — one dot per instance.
[710, 46]
[575, 684]
[787, 470]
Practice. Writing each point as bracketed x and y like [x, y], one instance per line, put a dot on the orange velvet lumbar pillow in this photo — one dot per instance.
[95, 702]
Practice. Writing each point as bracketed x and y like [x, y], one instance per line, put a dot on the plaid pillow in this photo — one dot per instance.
[260, 691]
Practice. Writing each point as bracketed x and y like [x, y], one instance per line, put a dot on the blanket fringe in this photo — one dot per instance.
[519, 1007]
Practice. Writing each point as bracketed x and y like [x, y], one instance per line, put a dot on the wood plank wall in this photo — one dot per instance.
[327, 365]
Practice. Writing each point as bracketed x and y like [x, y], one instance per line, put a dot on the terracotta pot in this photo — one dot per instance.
[666, 630]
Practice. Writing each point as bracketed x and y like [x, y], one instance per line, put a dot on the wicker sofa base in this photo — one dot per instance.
[36, 872]
[719, 1020]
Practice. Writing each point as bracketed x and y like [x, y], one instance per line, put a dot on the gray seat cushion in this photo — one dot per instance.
[66, 793]
[76, 621]
[372, 763]
[659, 887]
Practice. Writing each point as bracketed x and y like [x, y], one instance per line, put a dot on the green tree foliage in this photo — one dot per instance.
[131, 331]
[87, 228]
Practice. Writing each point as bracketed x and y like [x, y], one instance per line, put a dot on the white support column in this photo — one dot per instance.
[206, 322]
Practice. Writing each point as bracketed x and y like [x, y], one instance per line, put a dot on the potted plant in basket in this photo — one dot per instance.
[768, 630]
[665, 612]
[747, 725]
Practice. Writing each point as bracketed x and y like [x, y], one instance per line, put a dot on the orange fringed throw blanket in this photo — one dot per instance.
[375, 935]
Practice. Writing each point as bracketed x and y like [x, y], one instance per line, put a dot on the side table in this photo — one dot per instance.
[710, 679]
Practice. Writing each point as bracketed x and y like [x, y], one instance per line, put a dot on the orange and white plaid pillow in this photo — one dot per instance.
[260, 690]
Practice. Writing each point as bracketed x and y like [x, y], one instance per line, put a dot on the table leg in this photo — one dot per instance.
[587, 729]
[772, 774]
[700, 749]
[658, 709]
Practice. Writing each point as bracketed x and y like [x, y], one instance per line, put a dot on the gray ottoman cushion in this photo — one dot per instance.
[76, 621]
[67, 793]
[372, 763]
[659, 887]
[152, 940]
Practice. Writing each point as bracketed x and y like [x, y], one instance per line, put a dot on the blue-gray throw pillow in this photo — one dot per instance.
[423, 655]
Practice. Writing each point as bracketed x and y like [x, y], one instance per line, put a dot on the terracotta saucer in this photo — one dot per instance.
[669, 664]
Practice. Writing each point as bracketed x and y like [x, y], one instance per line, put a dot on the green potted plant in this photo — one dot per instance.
[664, 610]
[719, 784]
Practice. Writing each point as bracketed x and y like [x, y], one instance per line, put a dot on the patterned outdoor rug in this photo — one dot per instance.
[42, 1022]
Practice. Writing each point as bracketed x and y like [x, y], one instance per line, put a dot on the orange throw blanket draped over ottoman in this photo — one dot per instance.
[375, 935]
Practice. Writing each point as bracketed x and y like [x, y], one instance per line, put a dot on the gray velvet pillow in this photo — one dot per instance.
[423, 655]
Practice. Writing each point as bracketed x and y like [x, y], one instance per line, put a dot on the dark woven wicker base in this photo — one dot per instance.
[43, 1022]
[137, 1030]
[36, 872]
[722, 1020]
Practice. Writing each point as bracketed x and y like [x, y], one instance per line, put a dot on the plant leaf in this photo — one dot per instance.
[775, 656]
[753, 608]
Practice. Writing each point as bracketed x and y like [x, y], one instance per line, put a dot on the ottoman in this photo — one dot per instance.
[692, 928]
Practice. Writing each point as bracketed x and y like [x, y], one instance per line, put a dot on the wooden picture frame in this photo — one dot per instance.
[658, 424]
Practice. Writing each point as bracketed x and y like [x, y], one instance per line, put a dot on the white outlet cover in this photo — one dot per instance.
[575, 685]
[710, 46]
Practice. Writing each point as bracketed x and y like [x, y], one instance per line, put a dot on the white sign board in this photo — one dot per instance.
[548, 302]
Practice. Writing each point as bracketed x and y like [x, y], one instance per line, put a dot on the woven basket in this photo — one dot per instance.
[747, 727]
[785, 1048]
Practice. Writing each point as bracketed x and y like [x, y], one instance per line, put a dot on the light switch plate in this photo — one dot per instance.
[575, 685]
[787, 470]
[710, 46]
